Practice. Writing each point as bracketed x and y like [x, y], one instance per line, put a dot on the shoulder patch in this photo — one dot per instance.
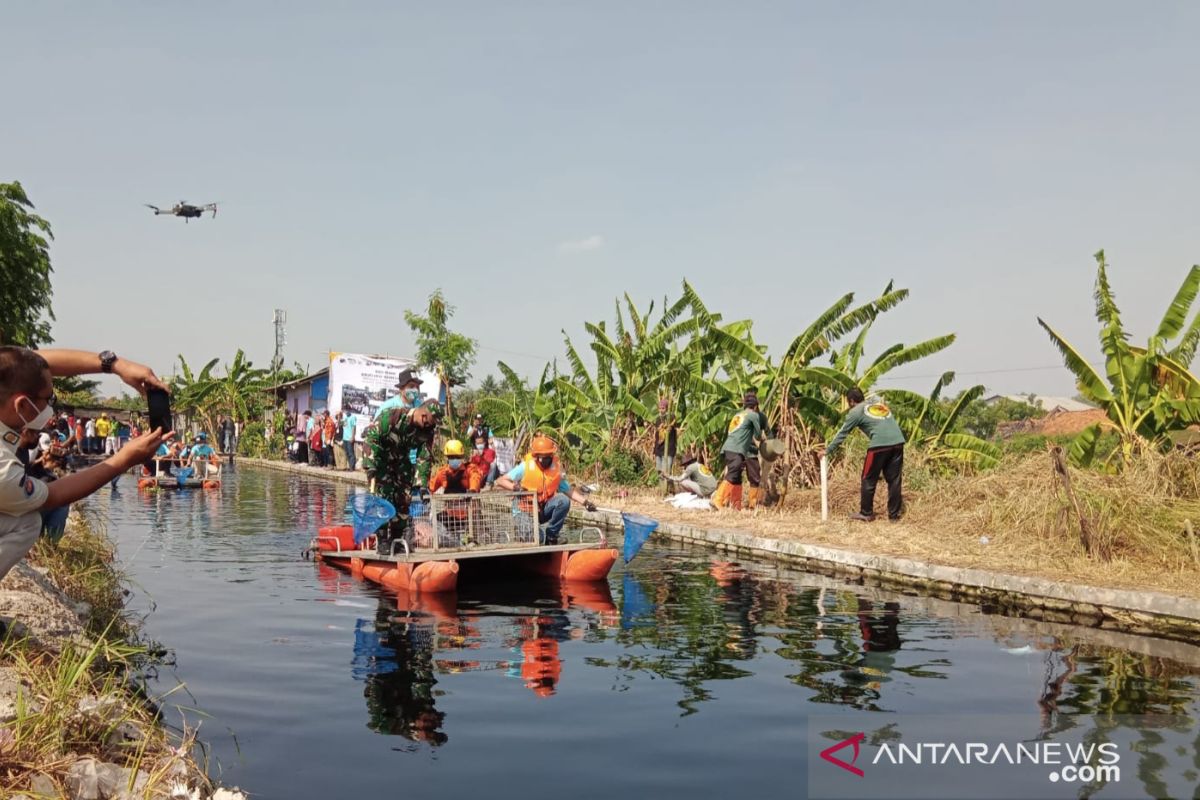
[12, 438]
[736, 422]
[879, 410]
[27, 486]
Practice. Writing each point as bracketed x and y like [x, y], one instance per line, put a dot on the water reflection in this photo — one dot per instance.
[413, 639]
[722, 659]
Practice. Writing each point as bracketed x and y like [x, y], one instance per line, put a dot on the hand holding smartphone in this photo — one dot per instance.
[159, 403]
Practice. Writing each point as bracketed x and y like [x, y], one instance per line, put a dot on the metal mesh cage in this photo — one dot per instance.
[498, 520]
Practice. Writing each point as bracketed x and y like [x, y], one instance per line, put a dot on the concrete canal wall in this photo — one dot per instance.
[1138, 612]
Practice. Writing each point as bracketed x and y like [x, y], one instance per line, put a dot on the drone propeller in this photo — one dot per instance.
[154, 208]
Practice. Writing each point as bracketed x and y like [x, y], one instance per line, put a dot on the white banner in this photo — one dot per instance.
[361, 383]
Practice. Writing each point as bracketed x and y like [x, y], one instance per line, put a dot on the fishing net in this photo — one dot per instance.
[370, 512]
[637, 530]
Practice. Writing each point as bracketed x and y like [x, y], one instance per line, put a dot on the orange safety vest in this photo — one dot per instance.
[543, 482]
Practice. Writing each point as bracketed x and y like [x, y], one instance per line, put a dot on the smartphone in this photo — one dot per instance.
[160, 409]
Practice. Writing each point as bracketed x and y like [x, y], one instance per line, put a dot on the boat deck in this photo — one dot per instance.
[457, 554]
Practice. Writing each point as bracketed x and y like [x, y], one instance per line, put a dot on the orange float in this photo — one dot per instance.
[147, 483]
[211, 484]
[426, 576]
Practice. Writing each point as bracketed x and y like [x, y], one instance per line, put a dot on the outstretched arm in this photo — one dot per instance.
[65, 363]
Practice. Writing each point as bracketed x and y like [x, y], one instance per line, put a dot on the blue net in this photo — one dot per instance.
[370, 512]
[637, 530]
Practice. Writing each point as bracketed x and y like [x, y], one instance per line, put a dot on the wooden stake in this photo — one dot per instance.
[824, 489]
[1086, 536]
[1191, 534]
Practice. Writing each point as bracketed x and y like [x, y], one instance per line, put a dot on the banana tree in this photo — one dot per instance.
[933, 429]
[1145, 392]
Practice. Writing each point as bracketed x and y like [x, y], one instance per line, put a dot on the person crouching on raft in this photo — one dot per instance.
[458, 476]
[885, 452]
[542, 474]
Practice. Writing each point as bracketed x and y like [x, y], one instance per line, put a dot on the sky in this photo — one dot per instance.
[536, 160]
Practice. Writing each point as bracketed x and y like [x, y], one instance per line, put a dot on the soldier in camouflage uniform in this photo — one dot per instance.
[389, 464]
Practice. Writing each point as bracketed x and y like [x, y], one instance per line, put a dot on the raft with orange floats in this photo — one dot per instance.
[441, 571]
[169, 482]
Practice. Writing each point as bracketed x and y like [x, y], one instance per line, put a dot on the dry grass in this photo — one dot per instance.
[51, 729]
[1138, 519]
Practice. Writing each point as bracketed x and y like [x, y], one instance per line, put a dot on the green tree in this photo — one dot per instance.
[73, 391]
[450, 355]
[1146, 392]
[25, 269]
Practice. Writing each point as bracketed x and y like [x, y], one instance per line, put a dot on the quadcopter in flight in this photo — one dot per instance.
[185, 210]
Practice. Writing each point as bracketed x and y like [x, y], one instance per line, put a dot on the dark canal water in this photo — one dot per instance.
[686, 676]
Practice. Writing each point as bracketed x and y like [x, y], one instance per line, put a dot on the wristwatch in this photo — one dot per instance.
[107, 359]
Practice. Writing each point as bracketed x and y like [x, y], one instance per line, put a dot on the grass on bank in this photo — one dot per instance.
[117, 725]
[1138, 519]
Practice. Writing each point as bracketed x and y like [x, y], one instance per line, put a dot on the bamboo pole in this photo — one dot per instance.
[824, 489]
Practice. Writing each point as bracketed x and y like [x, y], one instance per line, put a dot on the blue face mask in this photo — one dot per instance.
[455, 463]
[412, 395]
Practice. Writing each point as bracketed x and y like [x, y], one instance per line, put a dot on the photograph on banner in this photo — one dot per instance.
[362, 383]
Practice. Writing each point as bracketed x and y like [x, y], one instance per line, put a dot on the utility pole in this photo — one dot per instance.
[279, 318]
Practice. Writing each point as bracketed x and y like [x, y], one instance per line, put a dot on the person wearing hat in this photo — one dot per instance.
[740, 449]
[202, 456]
[409, 396]
[542, 474]
[885, 453]
[458, 476]
[696, 478]
[479, 433]
[391, 468]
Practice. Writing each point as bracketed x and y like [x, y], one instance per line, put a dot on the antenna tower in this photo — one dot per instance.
[280, 320]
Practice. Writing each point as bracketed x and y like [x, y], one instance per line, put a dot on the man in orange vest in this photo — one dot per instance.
[542, 474]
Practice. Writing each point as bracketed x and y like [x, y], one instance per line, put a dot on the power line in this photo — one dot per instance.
[991, 371]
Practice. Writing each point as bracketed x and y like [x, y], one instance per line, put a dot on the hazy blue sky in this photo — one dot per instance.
[537, 159]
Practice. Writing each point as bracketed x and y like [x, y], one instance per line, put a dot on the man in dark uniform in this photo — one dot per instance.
[390, 467]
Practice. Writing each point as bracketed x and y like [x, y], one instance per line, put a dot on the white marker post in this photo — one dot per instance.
[824, 489]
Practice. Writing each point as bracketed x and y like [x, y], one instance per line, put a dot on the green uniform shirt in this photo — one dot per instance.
[876, 421]
[389, 462]
[744, 429]
[702, 476]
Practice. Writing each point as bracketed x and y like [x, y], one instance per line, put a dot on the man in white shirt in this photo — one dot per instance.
[26, 398]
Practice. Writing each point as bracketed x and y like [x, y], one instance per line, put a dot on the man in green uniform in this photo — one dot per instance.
[741, 449]
[390, 466]
[885, 452]
[696, 478]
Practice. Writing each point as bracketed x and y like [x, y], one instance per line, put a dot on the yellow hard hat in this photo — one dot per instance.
[453, 448]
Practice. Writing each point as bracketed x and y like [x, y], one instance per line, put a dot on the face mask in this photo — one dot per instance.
[412, 395]
[38, 422]
[545, 461]
[455, 463]
[478, 448]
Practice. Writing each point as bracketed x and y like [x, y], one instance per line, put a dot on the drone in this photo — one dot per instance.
[185, 210]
